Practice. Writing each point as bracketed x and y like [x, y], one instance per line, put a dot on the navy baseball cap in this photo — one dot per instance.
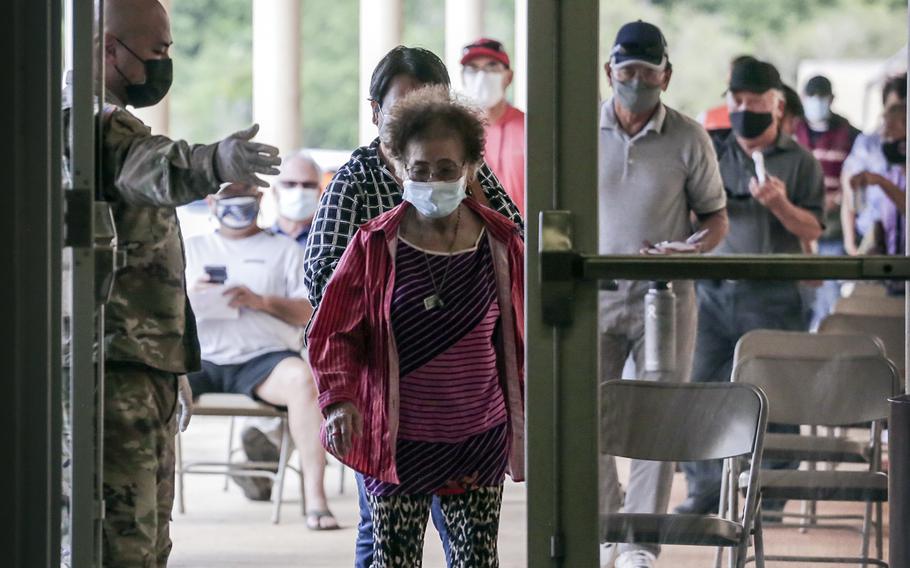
[818, 86]
[639, 42]
[754, 76]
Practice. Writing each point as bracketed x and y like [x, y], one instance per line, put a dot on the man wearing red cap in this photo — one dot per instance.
[487, 74]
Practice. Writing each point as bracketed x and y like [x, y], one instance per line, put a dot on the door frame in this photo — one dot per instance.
[561, 384]
[30, 229]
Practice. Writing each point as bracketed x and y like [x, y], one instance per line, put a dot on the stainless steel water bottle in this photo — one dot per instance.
[660, 328]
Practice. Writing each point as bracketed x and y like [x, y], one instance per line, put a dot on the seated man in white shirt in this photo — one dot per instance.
[251, 305]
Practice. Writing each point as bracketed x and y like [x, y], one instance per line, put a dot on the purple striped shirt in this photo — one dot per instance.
[452, 433]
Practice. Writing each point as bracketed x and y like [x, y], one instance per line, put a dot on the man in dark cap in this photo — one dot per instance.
[656, 171]
[775, 195]
[830, 137]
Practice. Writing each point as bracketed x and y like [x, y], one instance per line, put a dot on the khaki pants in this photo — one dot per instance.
[140, 423]
[621, 325]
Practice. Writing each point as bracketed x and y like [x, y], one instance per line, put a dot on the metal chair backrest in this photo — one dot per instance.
[681, 422]
[834, 392]
[890, 330]
[775, 343]
[871, 306]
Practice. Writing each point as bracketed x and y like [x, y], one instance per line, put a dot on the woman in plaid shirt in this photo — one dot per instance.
[364, 188]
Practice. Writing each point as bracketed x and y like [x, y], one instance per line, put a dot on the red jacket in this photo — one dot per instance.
[352, 348]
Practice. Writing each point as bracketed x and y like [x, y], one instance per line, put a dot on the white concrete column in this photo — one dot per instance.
[520, 57]
[158, 117]
[464, 24]
[380, 31]
[276, 72]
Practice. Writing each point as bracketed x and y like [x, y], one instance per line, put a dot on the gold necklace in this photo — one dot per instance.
[435, 300]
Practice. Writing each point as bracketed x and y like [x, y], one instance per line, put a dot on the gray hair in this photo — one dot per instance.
[303, 156]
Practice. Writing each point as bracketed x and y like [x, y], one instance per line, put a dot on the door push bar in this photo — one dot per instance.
[561, 266]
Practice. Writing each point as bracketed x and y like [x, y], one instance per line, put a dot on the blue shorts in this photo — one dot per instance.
[242, 378]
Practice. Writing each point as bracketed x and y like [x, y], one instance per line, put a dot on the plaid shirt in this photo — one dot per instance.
[363, 189]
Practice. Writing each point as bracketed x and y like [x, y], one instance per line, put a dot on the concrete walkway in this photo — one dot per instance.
[223, 529]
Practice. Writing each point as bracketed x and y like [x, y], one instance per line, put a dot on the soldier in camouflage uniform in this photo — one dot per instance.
[150, 336]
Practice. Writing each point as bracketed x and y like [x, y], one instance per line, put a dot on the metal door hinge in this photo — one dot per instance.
[557, 550]
[78, 213]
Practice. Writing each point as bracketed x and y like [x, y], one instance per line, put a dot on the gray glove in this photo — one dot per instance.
[185, 402]
[238, 160]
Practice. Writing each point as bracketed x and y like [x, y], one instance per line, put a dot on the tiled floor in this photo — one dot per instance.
[223, 529]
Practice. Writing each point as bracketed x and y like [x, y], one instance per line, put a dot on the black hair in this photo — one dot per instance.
[896, 85]
[739, 59]
[416, 62]
[792, 105]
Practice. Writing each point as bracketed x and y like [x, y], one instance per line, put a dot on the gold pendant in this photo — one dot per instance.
[431, 302]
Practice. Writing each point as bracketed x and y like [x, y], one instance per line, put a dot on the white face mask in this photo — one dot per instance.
[485, 87]
[817, 109]
[435, 199]
[297, 204]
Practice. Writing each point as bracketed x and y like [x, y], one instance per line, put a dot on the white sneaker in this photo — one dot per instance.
[608, 552]
[636, 559]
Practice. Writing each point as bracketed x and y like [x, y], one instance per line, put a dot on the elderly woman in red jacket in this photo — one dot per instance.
[417, 347]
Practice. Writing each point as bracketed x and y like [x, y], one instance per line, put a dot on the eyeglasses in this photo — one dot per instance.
[445, 172]
[291, 184]
[646, 74]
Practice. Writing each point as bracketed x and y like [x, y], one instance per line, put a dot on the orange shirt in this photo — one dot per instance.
[505, 153]
[717, 118]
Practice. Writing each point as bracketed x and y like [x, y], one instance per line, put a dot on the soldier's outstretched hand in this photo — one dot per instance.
[238, 159]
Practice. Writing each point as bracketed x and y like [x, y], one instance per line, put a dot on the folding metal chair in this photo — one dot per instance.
[234, 405]
[889, 329]
[809, 346]
[837, 392]
[697, 422]
[889, 306]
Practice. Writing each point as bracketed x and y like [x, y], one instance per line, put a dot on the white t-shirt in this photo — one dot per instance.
[267, 264]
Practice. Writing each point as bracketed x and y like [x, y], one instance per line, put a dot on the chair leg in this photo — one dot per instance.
[230, 451]
[867, 530]
[340, 478]
[759, 541]
[879, 537]
[181, 506]
[278, 489]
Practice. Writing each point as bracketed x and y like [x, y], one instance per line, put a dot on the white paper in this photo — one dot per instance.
[759, 160]
[210, 303]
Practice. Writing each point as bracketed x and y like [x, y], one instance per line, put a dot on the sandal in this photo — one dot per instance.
[314, 521]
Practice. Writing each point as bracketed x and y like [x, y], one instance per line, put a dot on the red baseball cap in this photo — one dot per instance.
[485, 47]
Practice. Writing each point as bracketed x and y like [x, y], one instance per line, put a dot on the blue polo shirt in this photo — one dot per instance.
[301, 238]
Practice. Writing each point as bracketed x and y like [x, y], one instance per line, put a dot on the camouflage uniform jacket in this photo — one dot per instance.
[144, 178]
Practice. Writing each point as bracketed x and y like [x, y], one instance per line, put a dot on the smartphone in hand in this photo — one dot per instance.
[217, 274]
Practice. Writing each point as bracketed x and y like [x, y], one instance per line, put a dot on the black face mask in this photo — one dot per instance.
[748, 124]
[159, 73]
[895, 151]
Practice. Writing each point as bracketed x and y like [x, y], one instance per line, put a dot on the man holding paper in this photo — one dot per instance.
[250, 302]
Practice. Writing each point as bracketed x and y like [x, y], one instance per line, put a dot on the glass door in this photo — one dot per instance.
[565, 273]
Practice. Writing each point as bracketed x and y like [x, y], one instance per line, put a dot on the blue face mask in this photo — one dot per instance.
[237, 212]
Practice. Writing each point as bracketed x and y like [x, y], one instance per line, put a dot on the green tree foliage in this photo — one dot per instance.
[704, 35]
[212, 52]
[330, 73]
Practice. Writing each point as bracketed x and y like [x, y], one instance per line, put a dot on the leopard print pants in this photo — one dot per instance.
[472, 520]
